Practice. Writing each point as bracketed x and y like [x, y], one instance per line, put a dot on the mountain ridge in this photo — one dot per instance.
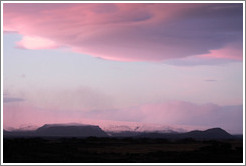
[83, 130]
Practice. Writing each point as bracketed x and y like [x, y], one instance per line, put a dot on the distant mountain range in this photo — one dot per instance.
[78, 130]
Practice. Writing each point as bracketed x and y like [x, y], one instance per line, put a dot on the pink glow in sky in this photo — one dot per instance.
[36, 43]
[227, 52]
[128, 32]
[173, 113]
[122, 63]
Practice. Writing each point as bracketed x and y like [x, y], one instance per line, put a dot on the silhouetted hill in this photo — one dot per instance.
[70, 131]
[60, 130]
[214, 133]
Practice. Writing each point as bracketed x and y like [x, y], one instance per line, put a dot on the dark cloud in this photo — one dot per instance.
[12, 99]
[131, 32]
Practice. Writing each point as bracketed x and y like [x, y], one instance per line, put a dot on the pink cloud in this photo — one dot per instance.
[24, 116]
[228, 52]
[232, 52]
[177, 113]
[172, 113]
[30, 42]
[127, 32]
[186, 113]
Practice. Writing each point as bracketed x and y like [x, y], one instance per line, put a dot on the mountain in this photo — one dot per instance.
[60, 130]
[213, 133]
[70, 131]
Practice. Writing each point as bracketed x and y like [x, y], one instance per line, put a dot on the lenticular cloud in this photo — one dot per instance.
[128, 32]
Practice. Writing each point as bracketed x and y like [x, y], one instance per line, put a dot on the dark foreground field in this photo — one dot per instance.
[120, 150]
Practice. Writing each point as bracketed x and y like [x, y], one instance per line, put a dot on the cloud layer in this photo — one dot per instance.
[168, 113]
[130, 32]
[179, 113]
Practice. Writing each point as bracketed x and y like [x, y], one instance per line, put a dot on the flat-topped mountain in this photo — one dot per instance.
[70, 131]
[61, 130]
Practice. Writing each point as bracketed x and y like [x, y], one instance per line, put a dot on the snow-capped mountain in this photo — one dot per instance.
[144, 128]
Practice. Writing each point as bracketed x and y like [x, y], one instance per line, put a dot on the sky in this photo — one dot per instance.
[146, 63]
